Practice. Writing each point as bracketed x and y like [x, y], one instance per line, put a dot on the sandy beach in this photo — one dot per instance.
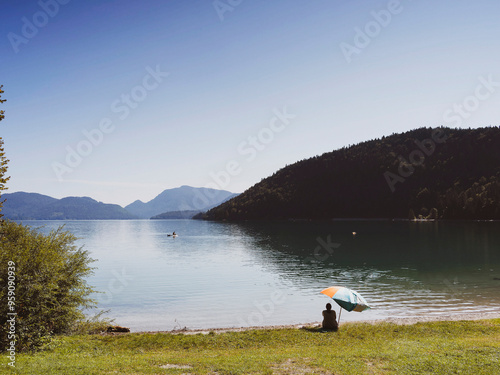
[401, 321]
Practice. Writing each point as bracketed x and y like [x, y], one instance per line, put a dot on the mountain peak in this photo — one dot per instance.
[183, 198]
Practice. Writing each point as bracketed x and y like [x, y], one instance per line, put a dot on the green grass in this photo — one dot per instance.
[465, 347]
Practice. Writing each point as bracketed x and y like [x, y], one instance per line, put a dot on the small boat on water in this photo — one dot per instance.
[172, 235]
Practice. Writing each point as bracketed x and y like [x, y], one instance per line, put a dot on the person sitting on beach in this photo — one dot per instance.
[330, 318]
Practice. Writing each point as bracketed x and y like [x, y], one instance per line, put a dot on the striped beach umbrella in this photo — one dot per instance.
[346, 298]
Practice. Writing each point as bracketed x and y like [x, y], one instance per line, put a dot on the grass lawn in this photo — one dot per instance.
[459, 347]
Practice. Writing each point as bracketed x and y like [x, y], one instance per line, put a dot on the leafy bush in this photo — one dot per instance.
[50, 288]
[91, 325]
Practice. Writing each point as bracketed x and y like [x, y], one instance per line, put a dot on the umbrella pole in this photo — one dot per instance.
[340, 313]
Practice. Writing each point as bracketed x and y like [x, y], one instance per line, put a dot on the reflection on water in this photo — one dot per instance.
[263, 273]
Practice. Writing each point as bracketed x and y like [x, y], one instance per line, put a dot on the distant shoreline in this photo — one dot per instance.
[282, 220]
[378, 219]
[398, 321]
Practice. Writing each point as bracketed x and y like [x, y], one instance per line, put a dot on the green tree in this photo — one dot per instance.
[47, 280]
[3, 159]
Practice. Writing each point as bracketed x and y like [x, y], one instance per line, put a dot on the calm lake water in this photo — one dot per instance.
[217, 275]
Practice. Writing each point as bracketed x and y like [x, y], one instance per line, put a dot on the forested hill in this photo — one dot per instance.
[429, 173]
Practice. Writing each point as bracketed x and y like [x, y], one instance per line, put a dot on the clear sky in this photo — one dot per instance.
[119, 100]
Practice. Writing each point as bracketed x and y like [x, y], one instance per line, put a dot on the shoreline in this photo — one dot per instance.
[394, 320]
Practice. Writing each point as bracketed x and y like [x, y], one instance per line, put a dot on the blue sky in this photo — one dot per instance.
[119, 100]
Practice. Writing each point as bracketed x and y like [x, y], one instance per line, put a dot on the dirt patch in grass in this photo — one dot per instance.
[296, 367]
[182, 367]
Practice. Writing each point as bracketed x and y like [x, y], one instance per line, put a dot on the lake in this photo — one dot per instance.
[216, 275]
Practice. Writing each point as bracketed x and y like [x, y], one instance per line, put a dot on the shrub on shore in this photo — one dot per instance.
[42, 285]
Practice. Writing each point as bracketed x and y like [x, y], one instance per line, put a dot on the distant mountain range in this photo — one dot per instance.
[426, 173]
[184, 198]
[183, 202]
[33, 206]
